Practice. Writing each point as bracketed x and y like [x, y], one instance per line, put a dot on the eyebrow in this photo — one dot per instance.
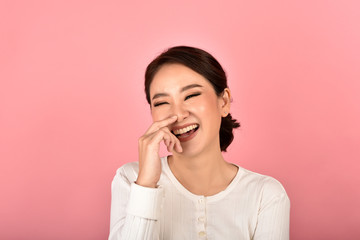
[182, 90]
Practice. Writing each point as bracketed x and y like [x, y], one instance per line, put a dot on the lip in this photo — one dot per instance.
[183, 126]
[188, 138]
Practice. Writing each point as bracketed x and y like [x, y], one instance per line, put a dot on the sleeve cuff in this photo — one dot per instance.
[145, 202]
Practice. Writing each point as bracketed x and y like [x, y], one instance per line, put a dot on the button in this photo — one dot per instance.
[202, 234]
[201, 200]
[201, 219]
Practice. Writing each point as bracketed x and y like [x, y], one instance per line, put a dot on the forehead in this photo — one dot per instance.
[172, 77]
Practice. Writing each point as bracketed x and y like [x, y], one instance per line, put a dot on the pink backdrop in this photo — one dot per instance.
[72, 104]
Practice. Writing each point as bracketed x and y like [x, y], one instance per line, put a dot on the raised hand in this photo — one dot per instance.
[149, 146]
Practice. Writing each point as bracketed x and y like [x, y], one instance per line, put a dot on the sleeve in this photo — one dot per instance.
[135, 210]
[274, 213]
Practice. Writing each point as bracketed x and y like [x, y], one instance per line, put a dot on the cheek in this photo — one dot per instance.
[208, 107]
[155, 115]
[200, 108]
[158, 114]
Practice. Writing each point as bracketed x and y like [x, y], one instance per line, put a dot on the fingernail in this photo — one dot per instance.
[174, 116]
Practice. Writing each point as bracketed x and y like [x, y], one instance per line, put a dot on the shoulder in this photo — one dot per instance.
[266, 186]
[130, 171]
[127, 172]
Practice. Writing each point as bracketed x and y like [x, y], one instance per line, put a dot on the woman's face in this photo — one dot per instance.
[178, 90]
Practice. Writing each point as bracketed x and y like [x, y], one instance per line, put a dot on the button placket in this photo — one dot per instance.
[201, 217]
[202, 234]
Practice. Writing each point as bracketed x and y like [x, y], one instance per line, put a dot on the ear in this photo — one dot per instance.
[225, 99]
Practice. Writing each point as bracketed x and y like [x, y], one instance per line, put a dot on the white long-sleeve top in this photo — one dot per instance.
[253, 206]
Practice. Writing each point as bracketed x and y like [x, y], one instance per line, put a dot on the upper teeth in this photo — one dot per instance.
[184, 130]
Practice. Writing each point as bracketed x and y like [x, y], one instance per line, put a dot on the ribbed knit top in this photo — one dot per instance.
[253, 206]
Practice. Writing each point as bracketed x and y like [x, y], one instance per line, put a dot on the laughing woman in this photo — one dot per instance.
[192, 193]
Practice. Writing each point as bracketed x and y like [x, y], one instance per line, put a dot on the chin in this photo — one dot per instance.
[190, 151]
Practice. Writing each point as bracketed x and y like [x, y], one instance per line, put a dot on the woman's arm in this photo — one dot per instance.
[274, 213]
[134, 209]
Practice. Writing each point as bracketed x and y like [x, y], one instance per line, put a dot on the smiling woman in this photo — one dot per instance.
[193, 193]
[189, 96]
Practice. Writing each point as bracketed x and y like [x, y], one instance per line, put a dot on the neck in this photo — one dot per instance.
[203, 174]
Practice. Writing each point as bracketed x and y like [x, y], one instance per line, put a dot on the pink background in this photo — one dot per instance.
[73, 106]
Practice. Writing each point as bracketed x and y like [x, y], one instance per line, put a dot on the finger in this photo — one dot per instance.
[175, 141]
[167, 142]
[173, 138]
[160, 124]
[155, 139]
[169, 139]
[178, 147]
[162, 135]
[171, 147]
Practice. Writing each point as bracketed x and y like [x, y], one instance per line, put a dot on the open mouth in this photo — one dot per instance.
[185, 132]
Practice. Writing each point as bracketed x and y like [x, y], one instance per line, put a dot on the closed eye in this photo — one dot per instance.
[160, 103]
[192, 95]
[187, 97]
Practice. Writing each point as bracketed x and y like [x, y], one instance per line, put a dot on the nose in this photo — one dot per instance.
[180, 111]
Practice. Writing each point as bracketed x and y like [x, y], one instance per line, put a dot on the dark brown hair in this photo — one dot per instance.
[206, 65]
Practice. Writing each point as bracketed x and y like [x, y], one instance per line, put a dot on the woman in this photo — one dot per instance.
[192, 193]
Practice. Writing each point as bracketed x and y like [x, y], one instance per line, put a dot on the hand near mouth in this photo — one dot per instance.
[149, 146]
